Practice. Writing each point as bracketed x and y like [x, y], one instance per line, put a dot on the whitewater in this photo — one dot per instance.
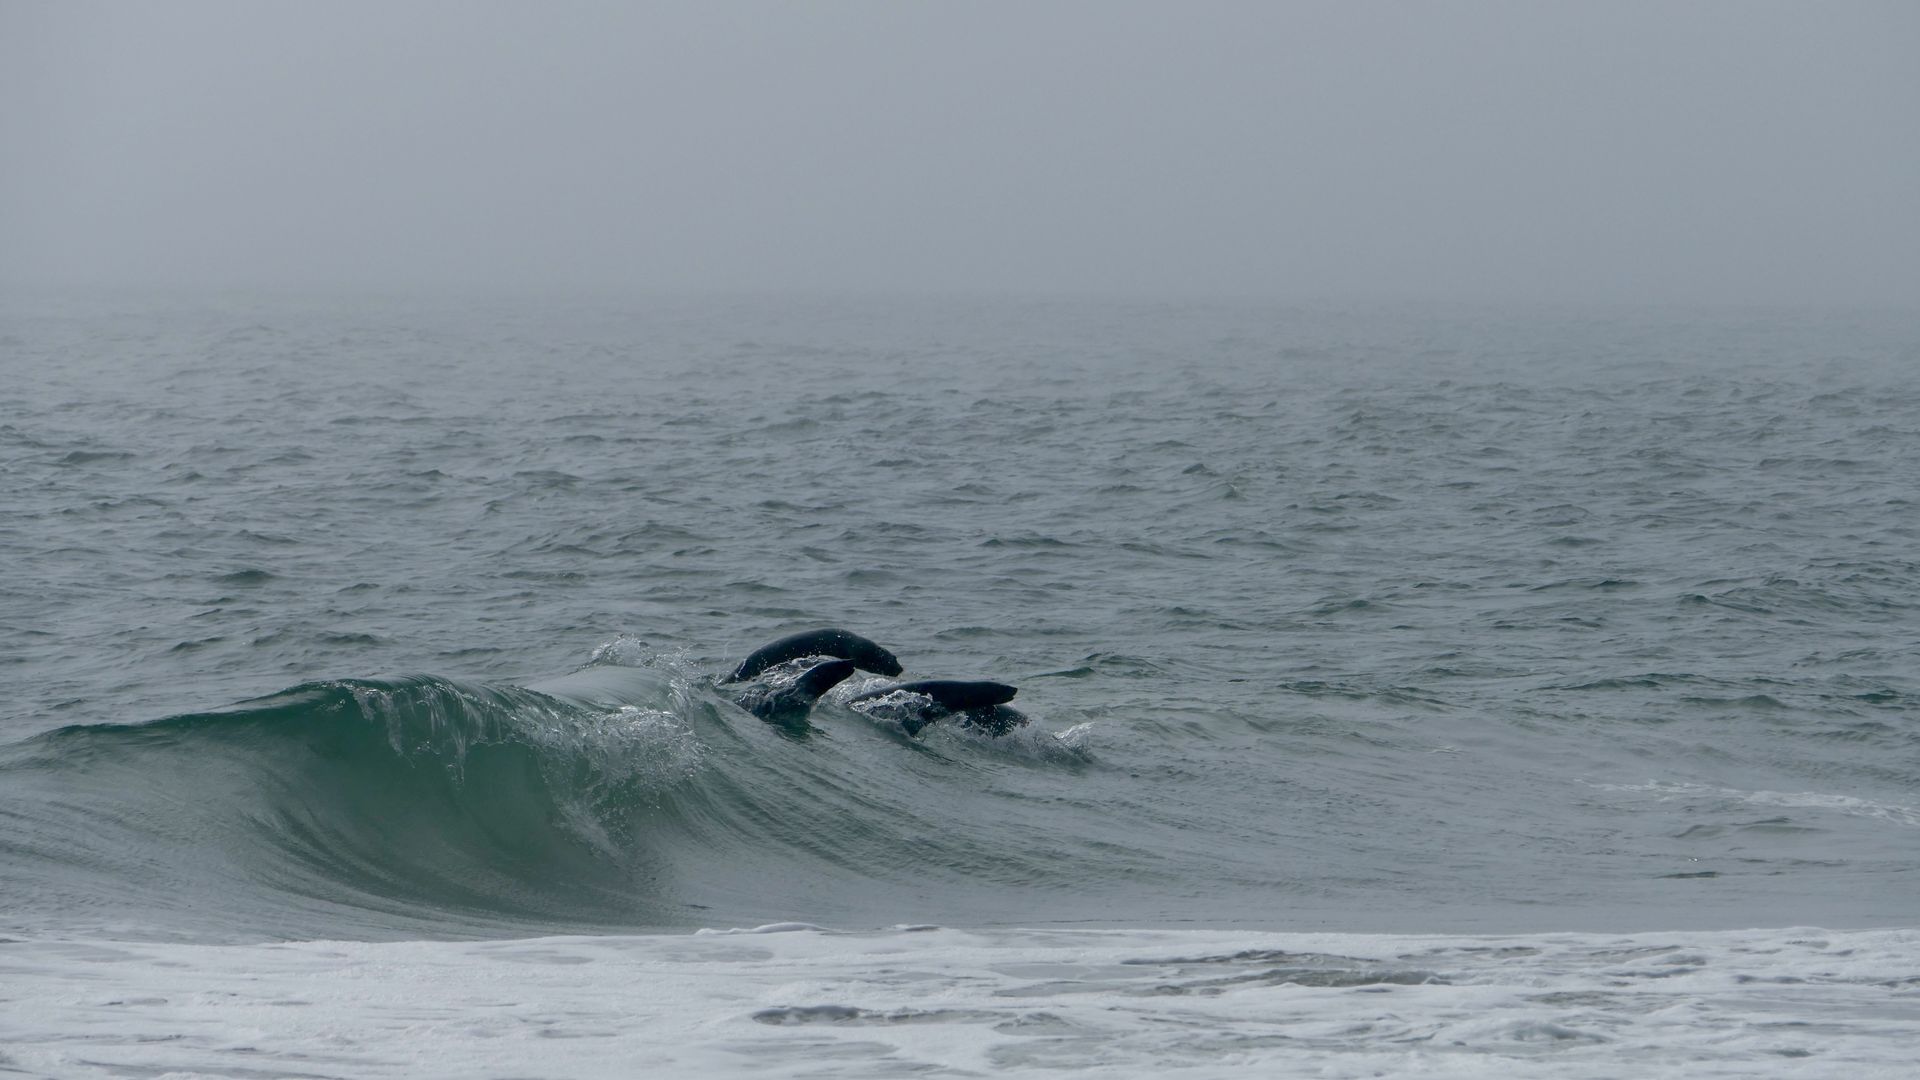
[1428, 691]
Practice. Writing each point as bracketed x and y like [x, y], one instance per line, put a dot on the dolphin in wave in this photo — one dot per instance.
[977, 704]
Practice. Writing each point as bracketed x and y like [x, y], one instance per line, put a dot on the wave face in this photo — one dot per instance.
[1387, 620]
[353, 804]
[615, 796]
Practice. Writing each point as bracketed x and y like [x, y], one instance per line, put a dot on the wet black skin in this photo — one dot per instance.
[951, 694]
[839, 644]
[978, 704]
[788, 706]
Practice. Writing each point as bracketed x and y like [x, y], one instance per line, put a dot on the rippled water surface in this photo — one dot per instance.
[1382, 619]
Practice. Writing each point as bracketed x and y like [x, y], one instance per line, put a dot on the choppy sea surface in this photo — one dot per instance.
[1455, 691]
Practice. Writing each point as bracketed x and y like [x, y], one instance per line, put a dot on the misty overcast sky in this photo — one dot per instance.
[1746, 152]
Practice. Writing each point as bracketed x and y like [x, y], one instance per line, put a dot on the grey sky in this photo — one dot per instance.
[1743, 152]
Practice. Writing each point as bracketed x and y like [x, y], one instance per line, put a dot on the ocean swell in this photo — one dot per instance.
[613, 797]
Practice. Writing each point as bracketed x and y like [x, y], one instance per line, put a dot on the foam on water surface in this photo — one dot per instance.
[789, 999]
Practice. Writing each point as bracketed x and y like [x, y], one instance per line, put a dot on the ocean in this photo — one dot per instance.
[1426, 690]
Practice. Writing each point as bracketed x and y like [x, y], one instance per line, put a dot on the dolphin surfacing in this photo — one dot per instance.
[839, 644]
[979, 704]
[788, 706]
[953, 694]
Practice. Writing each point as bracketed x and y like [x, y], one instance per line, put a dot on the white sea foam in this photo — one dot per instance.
[802, 1001]
[626, 650]
[1804, 800]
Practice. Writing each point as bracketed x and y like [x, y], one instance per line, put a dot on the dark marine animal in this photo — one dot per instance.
[949, 694]
[978, 704]
[787, 706]
[839, 644]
